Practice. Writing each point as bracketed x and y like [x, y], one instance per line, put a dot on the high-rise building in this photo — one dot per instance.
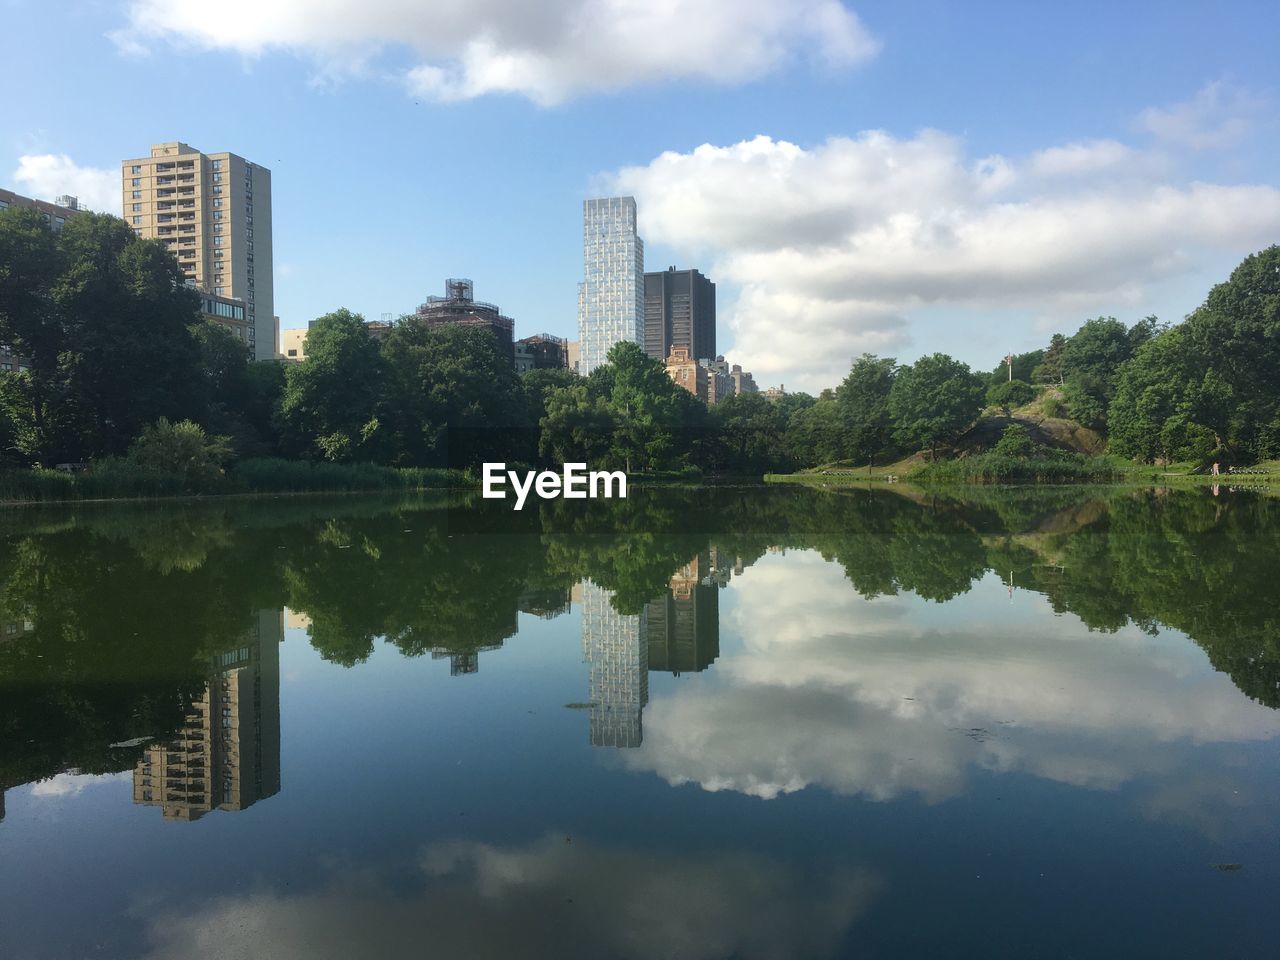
[458, 307]
[226, 755]
[614, 647]
[611, 295]
[719, 382]
[213, 212]
[679, 311]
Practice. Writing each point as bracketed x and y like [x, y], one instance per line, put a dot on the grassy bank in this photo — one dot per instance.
[123, 480]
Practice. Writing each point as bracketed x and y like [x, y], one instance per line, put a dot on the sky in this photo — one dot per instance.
[896, 178]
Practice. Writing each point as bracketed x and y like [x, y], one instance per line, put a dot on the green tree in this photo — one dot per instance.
[104, 321]
[182, 449]
[933, 400]
[863, 399]
[1007, 394]
[752, 435]
[1049, 370]
[1090, 366]
[332, 401]
[454, 399]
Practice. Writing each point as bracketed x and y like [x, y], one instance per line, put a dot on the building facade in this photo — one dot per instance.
[611, 295]
[55, 214]
[687, 372]
[213, 212]
[542, 351]
[458, 307]
[719, 382]
[679, 311]
[743, 382]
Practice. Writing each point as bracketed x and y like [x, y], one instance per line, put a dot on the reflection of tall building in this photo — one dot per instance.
[683, 625]
[226, 756]
[463, 661]
[614, 647]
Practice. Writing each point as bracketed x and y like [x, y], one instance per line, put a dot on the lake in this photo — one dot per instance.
[727, 722]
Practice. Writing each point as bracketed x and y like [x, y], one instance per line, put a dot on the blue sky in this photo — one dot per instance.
[894, 177]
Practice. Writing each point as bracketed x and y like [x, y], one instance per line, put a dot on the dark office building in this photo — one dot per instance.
[679, 311]
[459, 308]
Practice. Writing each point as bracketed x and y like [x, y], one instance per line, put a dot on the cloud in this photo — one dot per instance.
[544, 898]
[548, 52]
[46, 176]
[873, 698]
[1218, 116]
[834, 247]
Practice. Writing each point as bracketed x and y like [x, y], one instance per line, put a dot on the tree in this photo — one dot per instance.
[752, 433]
[1007, 394]
[1049, 369]
[104, 321]
[455, 399]
[184, 450]
[1024, 367]
[332, 401]
[933, 400]
[1090, 366]
[816, 434]
[863, 399]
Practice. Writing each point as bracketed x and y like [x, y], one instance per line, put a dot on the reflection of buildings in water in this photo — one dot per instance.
[614, 647]
[226, 756]
[467, 661]
[683, 625]
[15, 629]
[296, 619]
[547, 604]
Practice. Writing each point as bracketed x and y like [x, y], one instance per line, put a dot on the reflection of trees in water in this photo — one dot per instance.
[115, 611]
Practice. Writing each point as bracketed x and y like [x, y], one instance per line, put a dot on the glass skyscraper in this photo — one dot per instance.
[611, 295]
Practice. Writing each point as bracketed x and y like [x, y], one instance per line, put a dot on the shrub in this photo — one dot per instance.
[180, 454]
[1008, 394]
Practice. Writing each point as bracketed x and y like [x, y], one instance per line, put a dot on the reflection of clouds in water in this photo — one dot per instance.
[547, 898]
[74, 784]
[891, 696]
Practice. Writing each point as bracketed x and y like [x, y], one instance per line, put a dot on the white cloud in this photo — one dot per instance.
[1218, 116]
[833, 247]
[875, 698]
[547, 898]
[548, 52]
[46, 176]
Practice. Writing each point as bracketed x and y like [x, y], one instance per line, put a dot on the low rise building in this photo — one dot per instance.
[542, 351]
[687, 372]
[774, 394]
[459, 308]
[55, 214]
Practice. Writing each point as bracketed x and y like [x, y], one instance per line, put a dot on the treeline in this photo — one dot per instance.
[123, 372]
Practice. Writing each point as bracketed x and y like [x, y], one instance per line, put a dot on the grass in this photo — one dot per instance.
[123, 480]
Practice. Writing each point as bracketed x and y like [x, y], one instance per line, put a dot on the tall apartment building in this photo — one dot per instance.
[213, 211]
[687, 373]
[611, 295]
[679, 311]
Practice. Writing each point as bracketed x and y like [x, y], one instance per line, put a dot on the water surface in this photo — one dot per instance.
[694, 724]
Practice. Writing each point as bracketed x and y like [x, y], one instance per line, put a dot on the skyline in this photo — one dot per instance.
[928, 180]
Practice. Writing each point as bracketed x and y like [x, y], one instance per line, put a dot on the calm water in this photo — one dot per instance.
[735, 723]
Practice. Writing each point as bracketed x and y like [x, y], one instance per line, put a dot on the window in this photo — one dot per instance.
[217, 228]
[218, 215]
[219, 291]
[137, 181]
[217, 164]
[217, 201]
[136, 221]
[218, 254]
[217, 178]
[137, 194]
[217, 189]
[137, 168]
[137, 208]
[217, 241]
